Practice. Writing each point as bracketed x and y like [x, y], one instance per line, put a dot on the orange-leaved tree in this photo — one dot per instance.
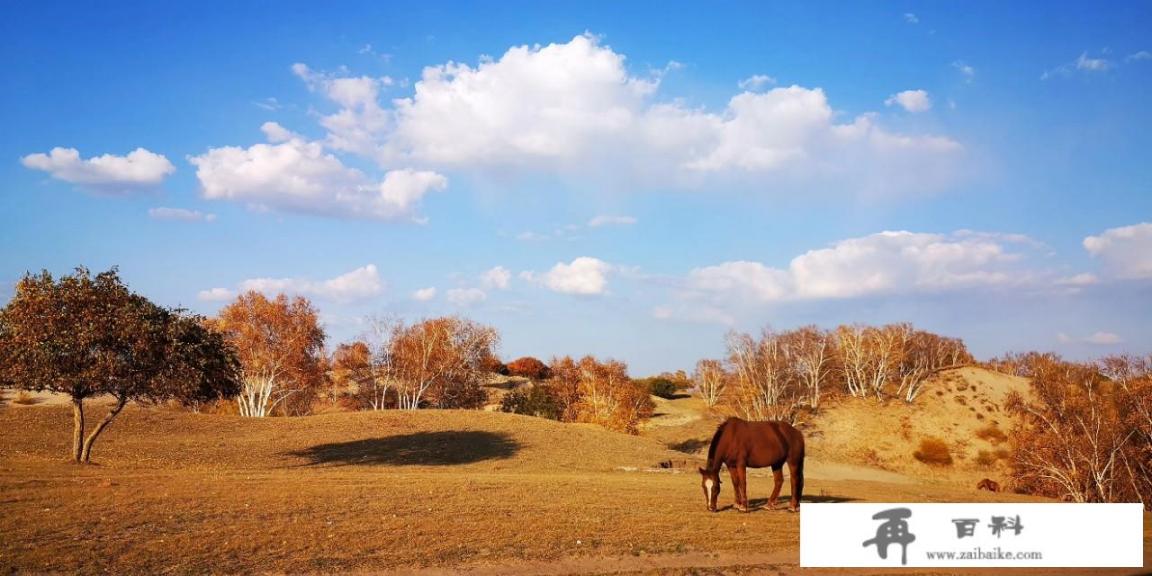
[439, 362]
[89, 336]
[279, 343]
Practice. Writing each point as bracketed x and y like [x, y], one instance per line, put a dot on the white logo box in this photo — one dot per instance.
[1047, 535]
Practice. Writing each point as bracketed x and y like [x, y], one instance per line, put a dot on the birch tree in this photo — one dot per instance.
[440, 360]
[279, 343]
[711, 380]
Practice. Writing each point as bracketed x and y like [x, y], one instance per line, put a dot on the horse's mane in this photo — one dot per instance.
[715, 442]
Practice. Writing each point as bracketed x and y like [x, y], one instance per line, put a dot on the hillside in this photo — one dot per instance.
[180, 493]
[962, 407]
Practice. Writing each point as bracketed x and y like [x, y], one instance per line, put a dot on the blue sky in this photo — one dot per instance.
[629, 181]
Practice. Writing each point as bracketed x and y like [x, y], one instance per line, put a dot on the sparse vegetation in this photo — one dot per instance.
[933, 451]
[992, 433]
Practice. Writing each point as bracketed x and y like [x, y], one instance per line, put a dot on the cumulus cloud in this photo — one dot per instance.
[361, 121]
[1126, 252]
[584, 276]
[911, 100]
[880, 264]
[465, 297]
[575, 108]
[424, 294]
[360, 284]
[140, 169]
[498, 277]
[294, 175]
[1139, 56]
[180, 214]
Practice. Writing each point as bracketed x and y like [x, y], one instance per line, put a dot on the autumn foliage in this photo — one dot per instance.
[88, 336]
[279, 343]
[1086, 430]
[529, 367]
[439, 362]
[587, 390]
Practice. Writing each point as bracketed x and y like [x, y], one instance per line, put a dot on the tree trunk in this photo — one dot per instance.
[77, 428]
[100, 428]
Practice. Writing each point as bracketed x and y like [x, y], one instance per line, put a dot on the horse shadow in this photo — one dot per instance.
[758, 504]
[447, 448]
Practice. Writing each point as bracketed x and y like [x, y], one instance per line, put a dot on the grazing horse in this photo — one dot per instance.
[739, 444]
[989, 485]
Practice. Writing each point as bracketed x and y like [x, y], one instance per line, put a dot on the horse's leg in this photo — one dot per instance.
[777, 482]
[739, 477]
[796, 472]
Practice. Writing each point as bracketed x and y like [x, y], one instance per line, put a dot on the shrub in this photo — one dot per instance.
[529, 367]
[662, 387]
[933, 451]
[992, 433]
[24, 399]
[539, 401]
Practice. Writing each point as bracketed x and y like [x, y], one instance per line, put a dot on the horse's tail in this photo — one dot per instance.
[712, 464]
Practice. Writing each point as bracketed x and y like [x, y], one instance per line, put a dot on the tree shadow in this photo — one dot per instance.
[448, 448]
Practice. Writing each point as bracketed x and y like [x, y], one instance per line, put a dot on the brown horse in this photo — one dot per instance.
[739, 444]
[989, 485]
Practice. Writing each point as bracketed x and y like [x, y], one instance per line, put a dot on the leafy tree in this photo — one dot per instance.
[439, 362]
[539, 400]
[88, 336]
[279, 343]
[529, 367]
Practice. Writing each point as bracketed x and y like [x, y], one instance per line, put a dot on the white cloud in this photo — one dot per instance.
[498, 277]
[756, 82]
[277, 133]
[1082, 63]
[108, 174]
[360, 284]
[465, 297]
[911, 100]
[911, 18]
[886, 263]
[606, 220]
[1098, 338]
[1126, 252]
[1079, 280]
[1092, 64]
[360, 124]
[1139, 56]
[424, 294]
[583, 276]
[181, 214]
[574, 108]
[1104, 338]
[298, 176]
[967, 71]
[216, 295]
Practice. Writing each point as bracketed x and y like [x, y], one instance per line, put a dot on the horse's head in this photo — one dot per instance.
[710, 482]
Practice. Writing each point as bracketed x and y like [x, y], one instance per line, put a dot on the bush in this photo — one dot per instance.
[662, 387]
[992, 433]
[539, 401]
[529, 367]
[933, 451]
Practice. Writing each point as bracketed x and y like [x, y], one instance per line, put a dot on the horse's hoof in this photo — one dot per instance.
[742, 508]
[793, 510]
